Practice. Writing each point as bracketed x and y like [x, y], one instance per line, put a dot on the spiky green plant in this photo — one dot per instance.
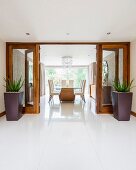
[123, 87]
[14, 85]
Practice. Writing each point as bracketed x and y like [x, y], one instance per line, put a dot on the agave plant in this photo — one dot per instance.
[14, 85]
[123, 87]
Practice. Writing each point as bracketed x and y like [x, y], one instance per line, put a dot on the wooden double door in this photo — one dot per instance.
[112, 60]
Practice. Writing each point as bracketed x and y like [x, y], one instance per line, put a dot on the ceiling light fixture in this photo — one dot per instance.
[108, 33]
[67, 61]
[27, 33]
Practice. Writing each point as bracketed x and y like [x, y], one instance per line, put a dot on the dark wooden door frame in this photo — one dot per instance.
[9, 46]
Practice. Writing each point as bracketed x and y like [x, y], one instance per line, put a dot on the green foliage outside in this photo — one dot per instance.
[76, 74]
[80, 74]
[51, 73]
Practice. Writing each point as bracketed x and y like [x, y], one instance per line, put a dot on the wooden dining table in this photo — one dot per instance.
[68, 94]
[59, 88]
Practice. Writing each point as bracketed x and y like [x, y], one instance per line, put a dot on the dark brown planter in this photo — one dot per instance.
[122, 102]
[13, 105]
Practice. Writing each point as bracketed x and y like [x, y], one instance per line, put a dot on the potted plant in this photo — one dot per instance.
[13, 99]
[122, 100]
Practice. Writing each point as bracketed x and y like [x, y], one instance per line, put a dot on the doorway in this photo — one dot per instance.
[78, 69]
[118, 51]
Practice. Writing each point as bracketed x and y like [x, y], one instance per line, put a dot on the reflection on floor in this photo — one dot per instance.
[65, 111]
[67, 136]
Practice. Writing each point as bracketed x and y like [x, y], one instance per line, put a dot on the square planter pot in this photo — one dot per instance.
[122, 102]
[13, 105]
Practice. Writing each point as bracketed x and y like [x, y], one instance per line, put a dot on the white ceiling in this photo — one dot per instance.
[85, 20]
[51, 55]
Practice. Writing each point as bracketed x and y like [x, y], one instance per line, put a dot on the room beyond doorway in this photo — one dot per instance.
[52, 60]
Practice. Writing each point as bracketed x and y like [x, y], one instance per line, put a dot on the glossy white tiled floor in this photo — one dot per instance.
[67, 137]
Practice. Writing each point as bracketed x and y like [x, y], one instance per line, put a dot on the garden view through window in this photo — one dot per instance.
[59, 73]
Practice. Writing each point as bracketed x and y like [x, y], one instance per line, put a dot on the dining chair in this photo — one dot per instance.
[81, 84]
[71, 84]
[63, 83]
[82, 91]
[80, 88]
[52, 92]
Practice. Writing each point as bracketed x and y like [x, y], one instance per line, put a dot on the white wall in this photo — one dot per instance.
[2, 73]
[133, 72]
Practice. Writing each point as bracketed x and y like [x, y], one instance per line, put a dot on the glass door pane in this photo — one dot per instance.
[120, 64]
[23, 67]
[29, 99]
[108, 75]
[19, 67]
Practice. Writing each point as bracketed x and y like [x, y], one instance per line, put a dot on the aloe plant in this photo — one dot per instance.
[14, 85]
[123, 87]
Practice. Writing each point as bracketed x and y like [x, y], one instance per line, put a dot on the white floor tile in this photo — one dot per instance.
[67, 136]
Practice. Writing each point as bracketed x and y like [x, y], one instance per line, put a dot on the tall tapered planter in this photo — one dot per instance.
[122, 102]
[13, 105]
